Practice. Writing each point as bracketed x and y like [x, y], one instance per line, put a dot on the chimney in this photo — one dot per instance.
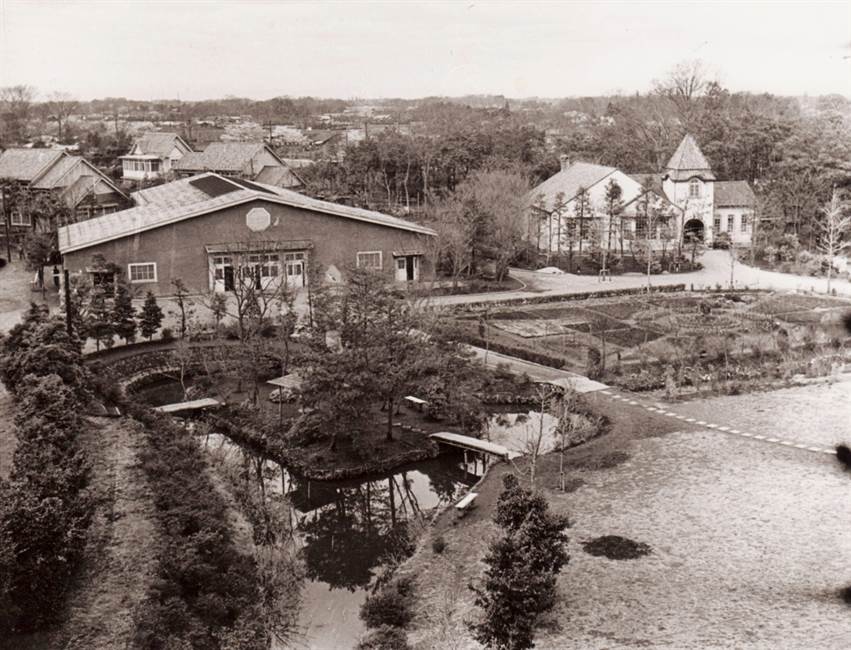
[564, 159]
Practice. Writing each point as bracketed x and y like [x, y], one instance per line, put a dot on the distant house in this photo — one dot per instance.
[153, 156]
[254, 161]
[688, 199]
[214, 232]
[83, 187]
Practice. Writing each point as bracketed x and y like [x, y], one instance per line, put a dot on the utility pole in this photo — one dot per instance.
[66, 292]
[6, 222]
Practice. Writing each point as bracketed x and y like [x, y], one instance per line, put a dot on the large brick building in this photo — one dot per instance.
[210, 230]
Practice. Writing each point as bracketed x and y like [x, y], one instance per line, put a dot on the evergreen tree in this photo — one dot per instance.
[123, 315]
[522, 568]
[151, 317]
[99, 322]
[614, 209]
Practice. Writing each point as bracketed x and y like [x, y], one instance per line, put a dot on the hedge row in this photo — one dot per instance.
[207, 591]
[527, 355]
[567, 297]
[44, 507]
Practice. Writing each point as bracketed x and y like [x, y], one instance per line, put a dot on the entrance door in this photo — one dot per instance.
[228, 277]
[407, 268]
[295, 273]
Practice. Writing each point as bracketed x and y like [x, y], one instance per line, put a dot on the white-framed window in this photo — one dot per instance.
[694, 188]
[369, 260]
[142, 272]
[745, 226]
[19, 219]
[717, 224]
[731, 219]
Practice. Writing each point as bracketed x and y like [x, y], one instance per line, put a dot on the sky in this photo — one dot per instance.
[212, 48]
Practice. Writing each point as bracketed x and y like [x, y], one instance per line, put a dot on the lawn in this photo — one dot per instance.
[748, 544]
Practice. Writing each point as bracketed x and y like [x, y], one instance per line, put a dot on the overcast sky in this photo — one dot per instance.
[206, 49]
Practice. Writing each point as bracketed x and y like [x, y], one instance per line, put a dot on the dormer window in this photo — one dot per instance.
[694, 189]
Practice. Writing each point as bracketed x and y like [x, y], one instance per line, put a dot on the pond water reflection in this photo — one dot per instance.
[350, 531]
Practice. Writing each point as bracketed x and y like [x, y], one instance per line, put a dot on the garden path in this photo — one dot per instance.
[715, 271]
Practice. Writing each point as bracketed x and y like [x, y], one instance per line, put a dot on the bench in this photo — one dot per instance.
[416, 402]
[467, 503]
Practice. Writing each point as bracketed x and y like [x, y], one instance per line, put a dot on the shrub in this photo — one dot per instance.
[522, 566]
[384, 638]
[167, 334]
[438, 544]
[391, 605]
[205, 588]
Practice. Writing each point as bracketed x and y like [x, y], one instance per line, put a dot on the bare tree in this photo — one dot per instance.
[684, 84]
[61, 106]
[834, 230]
[15, 105]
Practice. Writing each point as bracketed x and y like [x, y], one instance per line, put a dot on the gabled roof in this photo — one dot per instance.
[568, 181]
[186, 199]
[52, 177]
[157, 143]
[279, 177]
[224, 157]
[688, 161]
[734, 194]
[27, 164]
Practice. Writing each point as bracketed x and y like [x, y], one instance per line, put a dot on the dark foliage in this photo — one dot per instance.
[44, 508]
[522, 567]
[843, 455]
[384, 638]
[615, 547]
[205, 586]
[391, 605]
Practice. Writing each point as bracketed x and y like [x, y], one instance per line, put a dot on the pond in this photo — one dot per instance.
[350, 531]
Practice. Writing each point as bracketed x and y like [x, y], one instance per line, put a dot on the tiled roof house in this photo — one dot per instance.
[83, 187]
[250, 160]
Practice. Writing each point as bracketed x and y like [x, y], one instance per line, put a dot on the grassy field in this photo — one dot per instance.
[749, 543]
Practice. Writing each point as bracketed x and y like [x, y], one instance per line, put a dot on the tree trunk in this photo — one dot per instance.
[390, 402]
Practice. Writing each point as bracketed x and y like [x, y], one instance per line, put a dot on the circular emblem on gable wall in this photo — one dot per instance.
[258, 219]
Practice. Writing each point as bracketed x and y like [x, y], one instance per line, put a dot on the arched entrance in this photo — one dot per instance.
[693, 230]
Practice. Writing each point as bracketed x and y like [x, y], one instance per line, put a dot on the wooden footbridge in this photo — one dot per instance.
[190, 406]
[468, 443]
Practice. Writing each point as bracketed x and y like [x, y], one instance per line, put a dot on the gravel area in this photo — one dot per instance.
[749, 542]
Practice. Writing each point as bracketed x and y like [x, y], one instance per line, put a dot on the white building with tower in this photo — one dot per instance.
[569, 210]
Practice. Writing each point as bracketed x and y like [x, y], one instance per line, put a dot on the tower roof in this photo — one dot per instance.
[688, 160]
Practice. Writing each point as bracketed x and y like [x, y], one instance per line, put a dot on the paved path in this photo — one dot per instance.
[716, 270]
[783, 438]
[539, 373]
[727, 415]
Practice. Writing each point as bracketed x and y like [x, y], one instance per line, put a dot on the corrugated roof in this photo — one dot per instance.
[158, 143]
[27, 164]
[688, 161]
[568, 181]
[734, 194]
[171, 207]
[222, 157]
[177, 193]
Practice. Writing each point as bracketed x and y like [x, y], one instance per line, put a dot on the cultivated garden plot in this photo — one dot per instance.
[635, 342]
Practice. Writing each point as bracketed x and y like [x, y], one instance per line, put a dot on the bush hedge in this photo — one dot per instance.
[206, 587]
[44, 507]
